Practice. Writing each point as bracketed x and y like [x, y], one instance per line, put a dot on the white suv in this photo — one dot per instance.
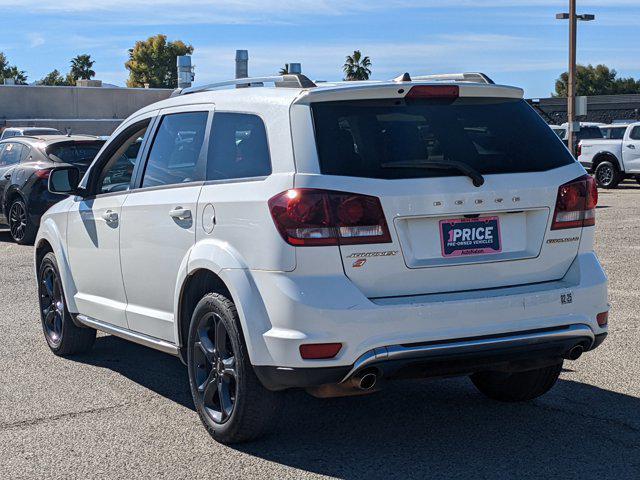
[329, 237]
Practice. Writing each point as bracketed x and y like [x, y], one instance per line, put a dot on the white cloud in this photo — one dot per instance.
[35, 40]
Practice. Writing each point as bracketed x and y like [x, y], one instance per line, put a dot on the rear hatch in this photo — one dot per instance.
[448, 234]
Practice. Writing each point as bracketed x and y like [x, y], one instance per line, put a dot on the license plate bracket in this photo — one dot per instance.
[470, 236]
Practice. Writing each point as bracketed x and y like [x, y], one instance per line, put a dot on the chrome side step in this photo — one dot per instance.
[432, 349]
[139, 338]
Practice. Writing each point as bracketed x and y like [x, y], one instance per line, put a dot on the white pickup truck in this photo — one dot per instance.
[612, 160]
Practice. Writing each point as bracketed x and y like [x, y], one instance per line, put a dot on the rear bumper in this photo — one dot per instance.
[508, 353]
[295, 310]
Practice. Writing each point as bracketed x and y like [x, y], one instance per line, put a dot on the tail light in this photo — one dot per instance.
[43, 174]
[309, 217]
[576, 204]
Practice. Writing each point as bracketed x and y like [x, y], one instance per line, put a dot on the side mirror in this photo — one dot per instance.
[64, 180]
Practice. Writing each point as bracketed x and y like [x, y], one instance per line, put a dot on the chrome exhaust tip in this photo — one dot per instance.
[366, 380]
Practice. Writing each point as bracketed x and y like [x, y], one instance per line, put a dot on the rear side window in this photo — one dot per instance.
[11, 154]
[390, 140]
[80, 154]
[174, 155]
[238, 147]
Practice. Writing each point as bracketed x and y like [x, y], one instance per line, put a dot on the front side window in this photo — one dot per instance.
[174, 155]
[635, 133]
[118, 170]
[238, 147]
[11, 154]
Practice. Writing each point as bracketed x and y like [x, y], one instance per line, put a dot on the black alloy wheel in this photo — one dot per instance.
[215, 368]
[230, 400]
[51, 305]
[63, 336]
[18, 220]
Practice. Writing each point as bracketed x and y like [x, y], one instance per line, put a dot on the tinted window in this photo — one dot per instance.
[366, 138]
[238, 147]
[42, 131]
[9, 133]
[118, 170]
[80, 154]
[589, 133]
[175, 151]
[635, 133]
[11, 154]
[617, 133]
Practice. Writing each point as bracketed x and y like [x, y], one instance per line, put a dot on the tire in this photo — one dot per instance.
[62, 335]
[22, 229]
[608, 175]
[230, 400]
[517, 387]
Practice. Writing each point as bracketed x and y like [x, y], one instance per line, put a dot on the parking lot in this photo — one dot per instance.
[124, 411]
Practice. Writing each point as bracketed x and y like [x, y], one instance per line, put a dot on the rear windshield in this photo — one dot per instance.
[589, 133]
[492, 135]
[42, 131]
[80, 154]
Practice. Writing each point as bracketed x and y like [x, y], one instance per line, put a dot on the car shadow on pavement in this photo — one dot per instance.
[5, 235]
[421, 429]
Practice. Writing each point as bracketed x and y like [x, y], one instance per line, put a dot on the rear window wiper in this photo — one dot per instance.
[472, 173]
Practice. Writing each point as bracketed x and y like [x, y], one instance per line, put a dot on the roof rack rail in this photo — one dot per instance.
[474, 77]
[293, 80]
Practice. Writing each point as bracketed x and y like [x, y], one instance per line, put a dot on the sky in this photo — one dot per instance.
[515, 42]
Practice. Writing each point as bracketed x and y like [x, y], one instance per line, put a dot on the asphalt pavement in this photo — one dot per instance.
[124, 411]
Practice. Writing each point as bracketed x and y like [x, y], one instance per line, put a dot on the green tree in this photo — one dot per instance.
[153, 62]
[7, 71]
[54, 79]
[81, 68]
[598, 80]
[284, 70]
[357, 67]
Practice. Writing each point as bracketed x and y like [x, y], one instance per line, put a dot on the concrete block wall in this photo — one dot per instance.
[91, 110]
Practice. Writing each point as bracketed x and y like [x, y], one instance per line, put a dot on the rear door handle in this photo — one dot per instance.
[180, 213]
[110, 216]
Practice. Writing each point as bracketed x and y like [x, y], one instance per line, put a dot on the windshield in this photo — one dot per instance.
[491, 135]
[80, 154]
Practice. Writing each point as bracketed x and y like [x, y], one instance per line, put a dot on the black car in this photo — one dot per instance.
[25, 165]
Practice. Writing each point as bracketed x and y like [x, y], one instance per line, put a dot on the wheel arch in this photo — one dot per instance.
[49, 239]
[12, 194]
[600, 157]
[214, 266]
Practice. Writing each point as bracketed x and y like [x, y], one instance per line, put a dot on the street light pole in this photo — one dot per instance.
[571, 88]
[573, 18]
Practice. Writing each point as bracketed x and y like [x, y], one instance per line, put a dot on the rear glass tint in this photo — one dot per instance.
[80, 154]
[589, 133]
[492, 135]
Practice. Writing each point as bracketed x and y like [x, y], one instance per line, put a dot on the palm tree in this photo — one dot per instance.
[81, 67]
[357, 67]
[284, 70]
